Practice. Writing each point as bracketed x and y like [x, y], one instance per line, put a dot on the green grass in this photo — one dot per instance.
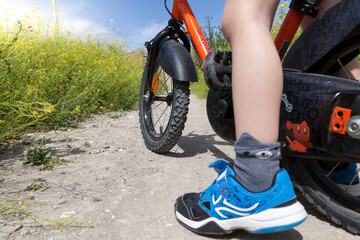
[200, 88]
[50, 79]
[15, 210]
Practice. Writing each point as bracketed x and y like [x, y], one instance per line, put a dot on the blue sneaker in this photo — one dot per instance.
[227, 206]
[347, 179]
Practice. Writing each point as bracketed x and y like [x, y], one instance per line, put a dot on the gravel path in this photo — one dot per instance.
[119, 188]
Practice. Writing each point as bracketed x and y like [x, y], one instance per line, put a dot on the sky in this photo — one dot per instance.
[135, 21]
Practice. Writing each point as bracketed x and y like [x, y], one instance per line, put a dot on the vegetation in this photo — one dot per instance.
[51, 79]
[15, 209]
[39, 155]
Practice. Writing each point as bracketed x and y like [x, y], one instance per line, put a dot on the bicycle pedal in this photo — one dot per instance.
[217, 70]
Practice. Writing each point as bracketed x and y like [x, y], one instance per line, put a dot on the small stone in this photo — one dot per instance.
[106, 146]
[169, 225]
[18, 227]
[67, 214]
[61, 202]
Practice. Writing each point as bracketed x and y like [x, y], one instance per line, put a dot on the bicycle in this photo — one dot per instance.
[320, 113]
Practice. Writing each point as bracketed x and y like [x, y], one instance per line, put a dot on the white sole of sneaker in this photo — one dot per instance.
[352, 190]
[271, 220]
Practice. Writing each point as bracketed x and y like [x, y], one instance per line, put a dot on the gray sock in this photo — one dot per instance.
[256, 163]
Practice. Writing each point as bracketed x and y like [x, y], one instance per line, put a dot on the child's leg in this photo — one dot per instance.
[253, 193]
[256, 73]
[352, 68]
[257, 83]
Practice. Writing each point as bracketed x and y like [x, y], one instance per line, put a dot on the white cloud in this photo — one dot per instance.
[14, 10]
[146, 33]
[81, 26]
[150, 31]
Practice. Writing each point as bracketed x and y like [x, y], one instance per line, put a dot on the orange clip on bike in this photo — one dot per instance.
[320, 113]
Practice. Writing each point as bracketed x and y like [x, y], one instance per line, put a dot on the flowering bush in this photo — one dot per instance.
[49, 78]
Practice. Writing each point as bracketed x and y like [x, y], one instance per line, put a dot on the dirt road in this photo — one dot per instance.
[122, 190]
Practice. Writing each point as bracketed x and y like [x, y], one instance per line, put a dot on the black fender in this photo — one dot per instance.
[176, 61]
[327, 32]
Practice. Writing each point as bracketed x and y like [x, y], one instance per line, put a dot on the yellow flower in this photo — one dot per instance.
[111, 20]
[64, 61]
[49, 109]
[101, 107]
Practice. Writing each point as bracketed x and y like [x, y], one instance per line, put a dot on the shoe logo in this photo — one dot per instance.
[217, 200]
[231, 208]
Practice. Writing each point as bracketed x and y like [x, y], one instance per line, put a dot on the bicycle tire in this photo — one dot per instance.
[310, 178]
[162, 139]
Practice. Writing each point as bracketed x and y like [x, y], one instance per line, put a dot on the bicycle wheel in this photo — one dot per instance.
[314, 178]
[163, 108]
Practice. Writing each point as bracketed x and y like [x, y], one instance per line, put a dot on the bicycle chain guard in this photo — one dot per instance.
[217, 70]
[315, 126]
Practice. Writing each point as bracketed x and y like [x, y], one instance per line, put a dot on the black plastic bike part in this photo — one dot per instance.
[220, 113]
[306, 7]
[307, 104]
[171, 31]
[305, 128]
[328, 34]
[217, 70]
[176, 61]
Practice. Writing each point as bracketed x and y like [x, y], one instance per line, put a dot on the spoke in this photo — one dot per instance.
[160, 117]
[343, 68]
[167, 117]
[153, 108]
[157, 117]
[163, 83]
[352, 181]
[332, 170]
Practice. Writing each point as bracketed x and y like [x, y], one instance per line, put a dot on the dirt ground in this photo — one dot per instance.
[120, 189]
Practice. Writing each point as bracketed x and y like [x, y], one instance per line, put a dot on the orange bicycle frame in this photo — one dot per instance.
[182, 12]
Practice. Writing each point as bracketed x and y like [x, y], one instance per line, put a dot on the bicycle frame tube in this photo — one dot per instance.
[287, 31]
[182, 12]
[298, 10]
